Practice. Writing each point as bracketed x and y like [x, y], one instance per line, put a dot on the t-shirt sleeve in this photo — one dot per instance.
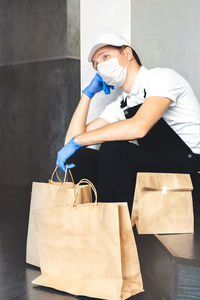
[165, 83]
[112, 112]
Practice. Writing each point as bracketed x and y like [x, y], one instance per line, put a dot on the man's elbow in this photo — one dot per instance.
[142, 131]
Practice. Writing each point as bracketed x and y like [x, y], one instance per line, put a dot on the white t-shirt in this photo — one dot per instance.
[183, 114]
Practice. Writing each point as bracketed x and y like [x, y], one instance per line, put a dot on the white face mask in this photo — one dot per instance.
[112, 72]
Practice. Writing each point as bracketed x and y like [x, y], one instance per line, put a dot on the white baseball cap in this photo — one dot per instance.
[112, 39]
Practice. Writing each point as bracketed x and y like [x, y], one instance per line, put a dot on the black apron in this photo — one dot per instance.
[164, 142]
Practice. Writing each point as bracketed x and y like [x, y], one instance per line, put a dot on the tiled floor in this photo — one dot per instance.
[15, 274]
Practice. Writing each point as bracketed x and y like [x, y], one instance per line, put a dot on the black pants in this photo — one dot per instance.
[114, 167]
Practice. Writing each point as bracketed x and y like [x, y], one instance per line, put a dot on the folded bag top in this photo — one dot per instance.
[163, 203]
[160, 181]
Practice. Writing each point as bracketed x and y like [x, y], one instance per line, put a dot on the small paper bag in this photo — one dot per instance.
[163, 203]
[47, 195]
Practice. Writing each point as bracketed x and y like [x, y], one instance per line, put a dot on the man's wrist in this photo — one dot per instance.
[86, 97]
[77, 140]
[88, 94]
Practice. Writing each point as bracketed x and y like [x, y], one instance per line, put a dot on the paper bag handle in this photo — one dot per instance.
[55, 171]
[85, 180]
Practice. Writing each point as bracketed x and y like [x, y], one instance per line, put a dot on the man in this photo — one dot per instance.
[157, 110]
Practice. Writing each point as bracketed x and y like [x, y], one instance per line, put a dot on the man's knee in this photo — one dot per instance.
[84, 155]
[110, 151]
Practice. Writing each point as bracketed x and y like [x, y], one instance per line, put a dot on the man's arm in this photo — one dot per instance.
[78, 121]
[130, 129]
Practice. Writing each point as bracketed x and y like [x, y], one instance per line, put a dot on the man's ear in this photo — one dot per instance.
[129, 53]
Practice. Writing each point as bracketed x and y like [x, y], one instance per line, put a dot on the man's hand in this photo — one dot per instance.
[65, 153]
[97, 85]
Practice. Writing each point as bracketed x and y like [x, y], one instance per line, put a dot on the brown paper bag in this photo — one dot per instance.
[47, 195]
[88, 250]
[163, 203]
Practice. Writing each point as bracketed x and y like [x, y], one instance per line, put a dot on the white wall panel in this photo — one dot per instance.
[98, 17]
[167, 34]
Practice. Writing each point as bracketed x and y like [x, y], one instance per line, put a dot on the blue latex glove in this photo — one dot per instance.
[97, 85]
[65, 153]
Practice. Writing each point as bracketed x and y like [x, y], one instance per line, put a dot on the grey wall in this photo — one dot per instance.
[167, 34]
[37, 100]
[39, 86]
[73, 28]
[32, 29]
